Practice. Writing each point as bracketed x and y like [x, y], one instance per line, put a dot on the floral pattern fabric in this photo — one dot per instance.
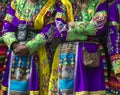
[30, 72]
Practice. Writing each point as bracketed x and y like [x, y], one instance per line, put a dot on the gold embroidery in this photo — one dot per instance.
[9, 18]
[21, 17]
[60, 15]
[91, 92]
[34, 92]
[115, 24]
[13, 4]
[39, 21]
[102, 1]
[4, 88]
[117, 70]
[91, 59]
[44, 67]
[102, 13]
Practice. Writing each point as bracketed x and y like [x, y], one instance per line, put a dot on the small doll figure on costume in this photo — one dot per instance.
[28, 30]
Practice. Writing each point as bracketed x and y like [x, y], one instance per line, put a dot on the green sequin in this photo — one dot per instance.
[9, 38]
[85, 26]
[35, 43]
[73, 36]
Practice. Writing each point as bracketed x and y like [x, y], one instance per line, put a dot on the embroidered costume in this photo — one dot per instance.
[3, 47]
[29, 75]
[70, 75]
[114, 45]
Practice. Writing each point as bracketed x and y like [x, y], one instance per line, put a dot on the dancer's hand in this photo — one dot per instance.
[71, 24]
[21, 50]
[14, 45]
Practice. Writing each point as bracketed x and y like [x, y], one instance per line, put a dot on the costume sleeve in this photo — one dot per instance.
[91, 27]
[61, 21]
[102, 10]
[82, 28]
[47, 32]
[113, 41]
[63, 16]
[9, 29]
[46, 35]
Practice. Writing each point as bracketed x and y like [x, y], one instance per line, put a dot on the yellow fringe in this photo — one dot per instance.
[44, 71]
[4, 88]
[91, 92]
[34, 92]
[54, 73]
[114, 23]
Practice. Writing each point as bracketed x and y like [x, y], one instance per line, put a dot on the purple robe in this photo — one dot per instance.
[113, 44]
[73, 77]
[28, 75]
